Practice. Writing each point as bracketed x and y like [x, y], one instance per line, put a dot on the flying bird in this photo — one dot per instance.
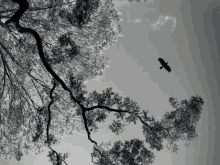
[164, 64]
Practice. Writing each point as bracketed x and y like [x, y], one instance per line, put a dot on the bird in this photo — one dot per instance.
[164, 64]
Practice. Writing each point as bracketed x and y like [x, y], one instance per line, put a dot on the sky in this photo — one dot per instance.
[188, 37]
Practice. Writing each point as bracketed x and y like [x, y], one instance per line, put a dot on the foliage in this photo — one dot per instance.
[24, 79]
[44, 17]
[170, 129]
[130, 152]
[82, 11]
[56, 158]
[39, 131]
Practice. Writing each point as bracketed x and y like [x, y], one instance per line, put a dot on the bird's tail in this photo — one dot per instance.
[161, 67]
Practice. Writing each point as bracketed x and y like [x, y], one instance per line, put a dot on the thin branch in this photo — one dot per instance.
[19, 83]
[3, 78]
[37, 91]
[103, 156]
[57, 154]
[119, 111]
[49, 112]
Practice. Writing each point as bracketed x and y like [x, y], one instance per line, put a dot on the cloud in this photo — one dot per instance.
[162, 20]
[137, 20]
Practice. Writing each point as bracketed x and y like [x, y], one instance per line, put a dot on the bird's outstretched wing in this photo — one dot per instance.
[162, 61]
[167, 68]
[164, 64]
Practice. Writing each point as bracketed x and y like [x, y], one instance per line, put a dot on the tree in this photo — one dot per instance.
[47, 95]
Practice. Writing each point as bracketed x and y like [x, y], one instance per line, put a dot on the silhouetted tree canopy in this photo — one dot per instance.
[45, 59]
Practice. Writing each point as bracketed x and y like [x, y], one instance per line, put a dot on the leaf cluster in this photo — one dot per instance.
[169, 129]
[131, 152]
[56, 158]
[39, 131]
[81, 13]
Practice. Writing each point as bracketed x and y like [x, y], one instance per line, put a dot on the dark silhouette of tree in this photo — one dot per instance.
[32, 76]
[164, 64]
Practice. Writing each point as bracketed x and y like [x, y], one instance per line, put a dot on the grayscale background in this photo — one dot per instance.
[193, 55]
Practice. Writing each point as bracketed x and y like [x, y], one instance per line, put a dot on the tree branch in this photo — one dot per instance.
[23, 7]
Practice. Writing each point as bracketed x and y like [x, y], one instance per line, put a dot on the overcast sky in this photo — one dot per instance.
[190, 47]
